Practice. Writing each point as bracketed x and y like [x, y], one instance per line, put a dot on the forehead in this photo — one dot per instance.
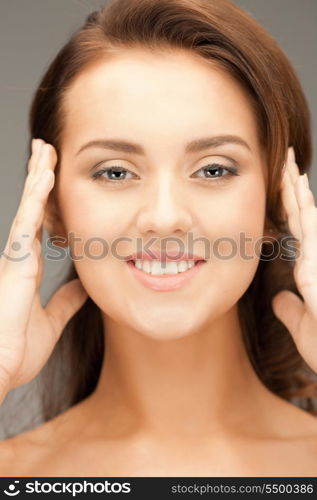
[172, 94]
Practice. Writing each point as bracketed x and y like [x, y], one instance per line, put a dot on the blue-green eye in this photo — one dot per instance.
[215, 170]
[116, 174]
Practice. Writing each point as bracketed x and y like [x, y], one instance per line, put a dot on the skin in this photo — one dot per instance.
[176, 375]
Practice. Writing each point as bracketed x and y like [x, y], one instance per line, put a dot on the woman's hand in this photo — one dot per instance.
[28, 332]
[300, 317]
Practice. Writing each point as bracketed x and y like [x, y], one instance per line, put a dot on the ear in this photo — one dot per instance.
[53, 223]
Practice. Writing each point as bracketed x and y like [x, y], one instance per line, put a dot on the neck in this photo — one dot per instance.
[195, 385]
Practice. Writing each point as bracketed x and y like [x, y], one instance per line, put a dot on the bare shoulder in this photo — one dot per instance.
[295, 438]
[22, 454]
[6, 458]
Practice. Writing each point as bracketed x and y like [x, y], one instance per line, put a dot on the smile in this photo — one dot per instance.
[167, 276]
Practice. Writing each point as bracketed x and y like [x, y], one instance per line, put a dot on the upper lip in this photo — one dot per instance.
[163, 256]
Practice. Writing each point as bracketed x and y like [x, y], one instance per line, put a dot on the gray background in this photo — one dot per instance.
[32, 31]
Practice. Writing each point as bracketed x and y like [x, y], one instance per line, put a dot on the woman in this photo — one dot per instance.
[166, 121]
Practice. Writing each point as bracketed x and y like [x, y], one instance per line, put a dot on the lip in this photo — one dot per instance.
[165, 282]
[164, 256]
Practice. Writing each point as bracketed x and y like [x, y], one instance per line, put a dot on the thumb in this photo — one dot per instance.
[289, 309]
[68, 299]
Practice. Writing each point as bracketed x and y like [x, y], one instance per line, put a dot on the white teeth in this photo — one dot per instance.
[158, 268]
[182, 266]
[146, 266]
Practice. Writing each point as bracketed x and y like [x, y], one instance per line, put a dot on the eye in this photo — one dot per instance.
[118, 175]
[215, 171]
[115, 172]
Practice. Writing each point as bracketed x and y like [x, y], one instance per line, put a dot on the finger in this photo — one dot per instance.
[36, 149]
[20, 261]
[307, 270]
[37, 145]
[289, 309]
[64, 304]
[307, 217]
[46, 152]
[26, 224]
[290, 204]
[18, 273]
[292, 166]
[46, 160]
[32, 169]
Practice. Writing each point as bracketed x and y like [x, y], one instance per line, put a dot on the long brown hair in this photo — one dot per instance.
[219, 31]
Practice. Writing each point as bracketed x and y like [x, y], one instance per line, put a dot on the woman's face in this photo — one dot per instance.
[162, 102]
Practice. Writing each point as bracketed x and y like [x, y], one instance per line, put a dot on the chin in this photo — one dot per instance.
[167, 329]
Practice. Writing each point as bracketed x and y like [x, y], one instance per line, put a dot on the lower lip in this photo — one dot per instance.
[165, 282]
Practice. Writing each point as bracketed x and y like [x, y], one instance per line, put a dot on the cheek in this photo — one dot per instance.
[91, 217]
[90, 212]
[235, 234]
[238, 210]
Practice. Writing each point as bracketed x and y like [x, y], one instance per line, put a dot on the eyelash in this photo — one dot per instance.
[115, 168]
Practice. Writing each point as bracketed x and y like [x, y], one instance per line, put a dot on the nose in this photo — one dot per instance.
[165, 210]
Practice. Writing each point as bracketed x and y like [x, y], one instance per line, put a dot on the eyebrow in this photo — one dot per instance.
[194, 146]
